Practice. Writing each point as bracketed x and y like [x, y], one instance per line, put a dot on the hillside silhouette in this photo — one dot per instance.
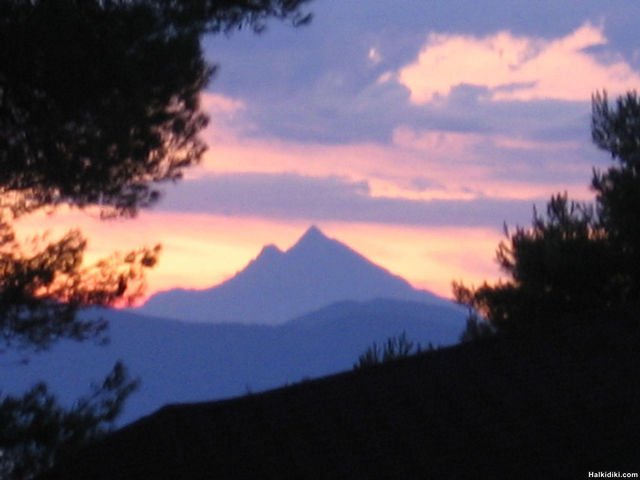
[500, 408]
[188, 362]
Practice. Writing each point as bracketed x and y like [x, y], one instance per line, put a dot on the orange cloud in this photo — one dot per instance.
[516, 67]
[217, 104]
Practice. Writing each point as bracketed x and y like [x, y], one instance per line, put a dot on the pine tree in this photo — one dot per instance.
[577, 260]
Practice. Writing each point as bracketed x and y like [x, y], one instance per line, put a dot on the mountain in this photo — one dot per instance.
[187, 362]
[277, 286]
[550, 406]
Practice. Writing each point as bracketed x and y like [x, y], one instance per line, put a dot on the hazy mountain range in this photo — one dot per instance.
[277, 286]
[183, 362]
[180, 361]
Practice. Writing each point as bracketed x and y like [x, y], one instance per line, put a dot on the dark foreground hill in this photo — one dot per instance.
[557, 407]
[186, 362]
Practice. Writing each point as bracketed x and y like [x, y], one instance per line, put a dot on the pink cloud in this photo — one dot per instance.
[516, 67]
[458, 165]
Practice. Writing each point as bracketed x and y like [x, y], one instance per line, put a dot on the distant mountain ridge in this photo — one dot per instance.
[277, 286]
[187, 362]
[549, 406]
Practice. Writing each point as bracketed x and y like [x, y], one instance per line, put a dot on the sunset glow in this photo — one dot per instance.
[411, 138]
[200, 251]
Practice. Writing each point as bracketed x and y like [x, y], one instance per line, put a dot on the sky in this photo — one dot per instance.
[412, 131]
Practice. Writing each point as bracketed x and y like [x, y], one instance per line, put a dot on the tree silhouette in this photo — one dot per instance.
[99, 104]
[36, 427]
[616, 129]
[578, 259]
[99, 99]
[392, 349]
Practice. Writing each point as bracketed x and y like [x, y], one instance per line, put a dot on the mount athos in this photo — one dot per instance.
[304, 313]
[278, 286]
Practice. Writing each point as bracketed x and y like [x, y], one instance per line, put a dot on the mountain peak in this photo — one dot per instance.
[312, 243]
[267, 259]
[270, 251]
[313, 233]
